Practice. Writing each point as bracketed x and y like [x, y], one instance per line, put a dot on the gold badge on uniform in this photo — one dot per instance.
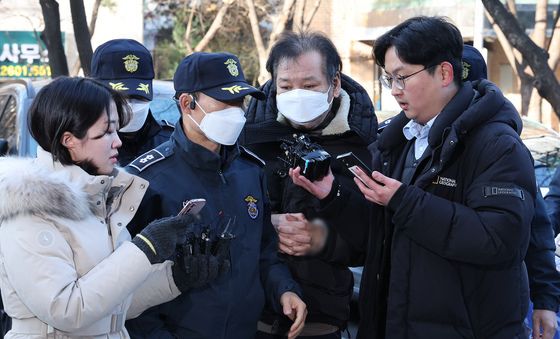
[232, 67]
[252, 208]
[131, 63]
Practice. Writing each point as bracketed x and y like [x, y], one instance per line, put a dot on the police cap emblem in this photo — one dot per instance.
[232, 67]
[131, 63]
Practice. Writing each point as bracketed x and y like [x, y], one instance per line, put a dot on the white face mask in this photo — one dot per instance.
[301, 105]
[140, 109]
[223, 126]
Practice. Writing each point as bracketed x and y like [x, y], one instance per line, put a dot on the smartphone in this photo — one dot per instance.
[351, 161]
[192, 206]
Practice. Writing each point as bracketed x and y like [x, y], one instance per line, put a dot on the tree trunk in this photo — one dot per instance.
[539, 37]
[278, 27]
[53, 38]
[544, 79]
[81, 34]
[554, 44]
[92, 23]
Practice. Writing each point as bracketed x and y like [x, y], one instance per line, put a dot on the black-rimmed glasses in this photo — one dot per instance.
[387, 81]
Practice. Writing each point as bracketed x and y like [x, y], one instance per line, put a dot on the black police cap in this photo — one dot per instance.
[125, 65]
[218, 75]
[474, 66]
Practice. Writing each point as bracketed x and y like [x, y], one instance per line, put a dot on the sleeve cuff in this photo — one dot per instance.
[397, 198]
[333, 194]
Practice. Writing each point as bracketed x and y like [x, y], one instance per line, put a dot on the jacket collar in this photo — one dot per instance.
[393, 136]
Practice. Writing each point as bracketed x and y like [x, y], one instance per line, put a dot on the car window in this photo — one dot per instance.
[8, 109]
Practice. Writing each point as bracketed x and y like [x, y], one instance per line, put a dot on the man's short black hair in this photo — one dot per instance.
[423, 41]
[291, 45]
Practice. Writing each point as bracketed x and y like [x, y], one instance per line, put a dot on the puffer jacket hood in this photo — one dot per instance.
[27, 187]
[262, 116]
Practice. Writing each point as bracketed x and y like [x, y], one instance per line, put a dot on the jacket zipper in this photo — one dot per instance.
[221, 174]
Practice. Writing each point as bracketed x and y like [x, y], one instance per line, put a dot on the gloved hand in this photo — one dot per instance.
[195, 267]
[159, 239]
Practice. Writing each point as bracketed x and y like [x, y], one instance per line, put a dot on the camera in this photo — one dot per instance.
[313, 161]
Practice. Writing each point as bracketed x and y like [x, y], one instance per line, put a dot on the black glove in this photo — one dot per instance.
[159, 239]
[196, 266]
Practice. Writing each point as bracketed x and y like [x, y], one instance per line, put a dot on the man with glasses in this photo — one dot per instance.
[449, 203]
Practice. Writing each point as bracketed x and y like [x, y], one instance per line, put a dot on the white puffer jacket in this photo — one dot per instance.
[67, 266]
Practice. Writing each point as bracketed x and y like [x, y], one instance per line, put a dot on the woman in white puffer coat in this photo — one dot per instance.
[67, 266]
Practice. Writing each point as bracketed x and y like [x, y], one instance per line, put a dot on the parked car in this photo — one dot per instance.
[16, 96]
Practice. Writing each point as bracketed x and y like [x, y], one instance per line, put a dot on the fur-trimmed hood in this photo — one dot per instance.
[28, 187]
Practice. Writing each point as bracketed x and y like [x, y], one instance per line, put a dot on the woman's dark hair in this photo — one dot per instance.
[291, 45]
[71, 104]
[424, 41]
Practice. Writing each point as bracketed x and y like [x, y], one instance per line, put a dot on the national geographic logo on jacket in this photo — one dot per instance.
[449, 182]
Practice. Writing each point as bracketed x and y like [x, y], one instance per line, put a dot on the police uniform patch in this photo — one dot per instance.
[147, 159]
[252, 207]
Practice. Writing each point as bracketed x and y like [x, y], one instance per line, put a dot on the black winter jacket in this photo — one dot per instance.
[445, 258]
[234, 185]
[327, 285]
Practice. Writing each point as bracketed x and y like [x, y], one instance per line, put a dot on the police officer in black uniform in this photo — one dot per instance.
[126, 65]
[203, 160]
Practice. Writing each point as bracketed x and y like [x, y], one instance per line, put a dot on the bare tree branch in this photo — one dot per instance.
[188, 31]
[280, 22]
[93, 20]
[261, 50]
[513, 57]
[216, 24]
[553, 47]
[308, 21]
[544, 80]
[299, 9]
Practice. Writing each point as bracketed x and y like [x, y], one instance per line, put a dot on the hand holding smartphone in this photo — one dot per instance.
[351, 161]
[192, 206]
